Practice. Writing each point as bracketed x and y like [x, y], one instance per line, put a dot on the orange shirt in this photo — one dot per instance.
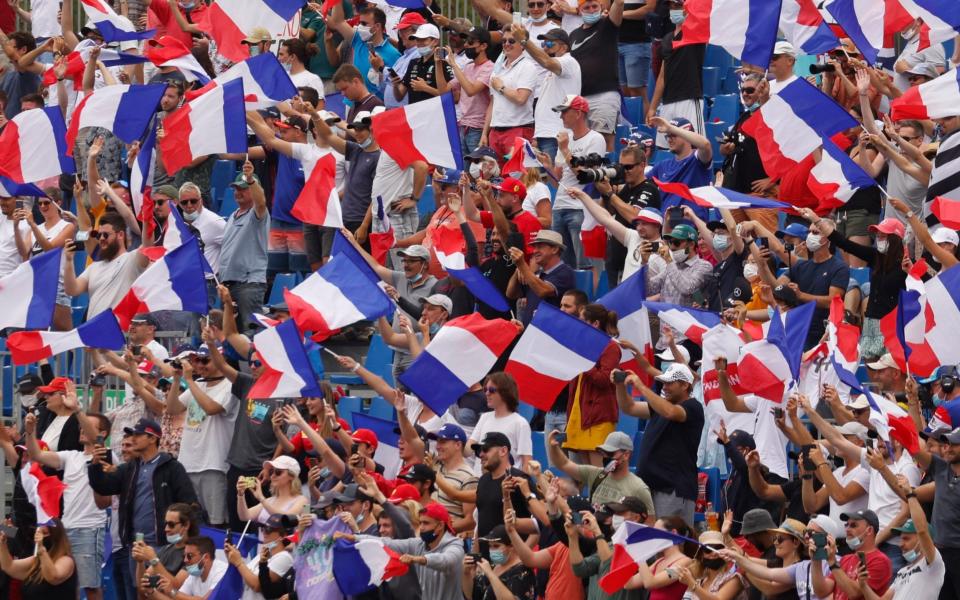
[563, 584]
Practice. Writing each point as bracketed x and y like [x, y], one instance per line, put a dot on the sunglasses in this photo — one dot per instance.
[908, 138]
[782, 538]
[629, 167]
[201, 359]
[490, 390]
[191, 556]
[509, 42]
[669, 136]
[189, 201]
[748, 90]
[169, 524]
[102, 235]
[547, 44]
[44, 202]
[536, 4]
[159, 201]
[675, 243]
[256, 363]
[278, 472]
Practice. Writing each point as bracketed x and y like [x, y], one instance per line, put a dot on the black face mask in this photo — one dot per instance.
[471, 53]
[713, 563]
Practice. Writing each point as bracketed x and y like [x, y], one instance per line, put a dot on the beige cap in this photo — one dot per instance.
[258, 35]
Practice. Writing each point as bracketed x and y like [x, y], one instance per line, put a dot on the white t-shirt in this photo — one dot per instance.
[211, 227]
[309, 154]
[307, 79]
[553, 90]
[935, 54]
[51, 435]
[803, 579]
[920, 580]
[883, 500]
[859, 475]
[520, 74]
[79, 507]
[194, 586]
[9, 255]
[514, 426]
[634, 261]
[108, 281]
[533, 30]
[569, 22]
[413, 408]
[535, 193]
[279, 563]
[591, 143]
[776, 86]
[390, 181]
[206, 438]
[44, 21]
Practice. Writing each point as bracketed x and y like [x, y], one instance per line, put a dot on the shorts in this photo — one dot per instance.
[62, 298]
[286, 250]
[691, 110]
[211, 487]
[86, 544]
[855, 222]
[634, 64]
[405, 223]
[604, 111]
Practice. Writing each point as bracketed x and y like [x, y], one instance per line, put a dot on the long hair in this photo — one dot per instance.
[59, 546]
[607, 319]
[890, 260]
[507, 388]
[677, 524]
[188, 516]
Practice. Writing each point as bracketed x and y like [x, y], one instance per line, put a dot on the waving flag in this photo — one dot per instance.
[342, 246]
[381, 233]
[593, 237]
[33, 146]
[768, 367]
[870, 25]
[946, 415]
[229, 22]
[319, 202]
[108, 56]
[804, 27]
[247, 545]
[634, 543]
[287, 371]
[935, 99]
[947, 211]
[175, 234]
[634, 319]
[938, 313]
[940, 16]
[721, 341]
[554, 348]
[843, 340]
[74, 72]
[522, 158]
[265, 82]
[718, 197]
[449, 246]
[141, 181]
[168, 51]
[747, 29]
[229, 587]
[124, 110]
[175, 282]
[43, 491]
[29, 293]
[387, 452]
[10, 188]
[836, 178]
[214, 123]
[102, 331]
[425, 130]
[691, 323]
[336, 295]
[460, 355]
[364, 565]
[113, 27]
[793, 123]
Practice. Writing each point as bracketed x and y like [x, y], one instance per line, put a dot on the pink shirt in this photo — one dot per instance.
[473, 109]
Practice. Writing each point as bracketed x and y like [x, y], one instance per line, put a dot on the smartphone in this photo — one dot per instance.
[778, 413]
[9, 531]
[442, 53]
[675, 213]
[671, 573]
[101, 439]
[620, 376]
[561, 437]
[312, 462]
[862, 557]
[468, 545]
[138, 537]
[476, 557]
[81, 236]
[763, 242]
[392, 73]
[135, 349]
[19, 204]
[654, 247]
[577, 518]
[820, 544]
[228, 537]
[517, 17]
[153, 581]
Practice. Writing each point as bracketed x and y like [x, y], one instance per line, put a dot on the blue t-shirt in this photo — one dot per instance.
[817, 279]
[286, 188]
[361, 59]
[690, 171]
[144, 505]
[563, 278]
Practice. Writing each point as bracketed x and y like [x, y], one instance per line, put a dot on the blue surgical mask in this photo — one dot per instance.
[937, 400]
[591, 18]
[910, 556]
[366, 143]
[854, 542]
[753, 106]
[254, 50]
[174, 538]
[434, 328]
[191, 217]
[271, 545]
[425, 50]
[677, 17]
[498, 557]
[195, 570]
[416, 278]
[428, 537]
[721, 242]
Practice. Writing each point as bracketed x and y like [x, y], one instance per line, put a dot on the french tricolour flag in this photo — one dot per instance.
[381, 232]
[265, 82]
[871, 24]
[593, 237]
[794, 123]
[76, 64]
[102, 331]
[319, 202]
[43, 491]
[108, 56]
[170, 52]
[175, 234]
[229, 22]
[747, 29]
[33, 146]
[336, 295]
[387, 453]
[721, 341]
[934, 99]
[460, 355]
[941, 16]
[10, 188]
[175, 282]
[938, 313]
[364, 565]
[287, 371]
[29, 293]
[718, 197]
[425, 130]
[449, 246]
[214, 123]
[113, 27]
[124, 110]
[692, 323]
[804, 27]
[141, 180]
[522, 158]
[947, 211]
[634, 543]
[768, 367]
[843, 339]
[554, 348]
[836, 178]
[634, 323]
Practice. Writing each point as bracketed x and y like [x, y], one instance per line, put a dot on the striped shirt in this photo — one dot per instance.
[464, 479]
[945, 177]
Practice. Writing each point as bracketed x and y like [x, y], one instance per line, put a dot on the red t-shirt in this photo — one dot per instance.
[160, 16]
[527, 224]
[303, 445]
[879, 571]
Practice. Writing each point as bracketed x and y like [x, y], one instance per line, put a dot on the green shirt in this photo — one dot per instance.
[594, 569]
[612, 490]
[319, 65]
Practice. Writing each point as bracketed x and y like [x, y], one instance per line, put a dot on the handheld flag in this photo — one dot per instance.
[33, 146]
[804, 27]
[634, 543]
[747, 29]
[141, 181]
[870, 25]
[102, 331]
[319, 202]
[28, 294]
[43, 491]
[364, 565]
[287, 372]
[381, 233]
[124, 110]
[691, 323]
[110, 25]
[229, 22]
[214, 123]
[941, 16]
[718, 197]
[936, 99]
[10, 188]
[168, 51]
[423, 131]
[449, 246]
[836, 178]
[634, 323]
[265, 82]
[387, 452]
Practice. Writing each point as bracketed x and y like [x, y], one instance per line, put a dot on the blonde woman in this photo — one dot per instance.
[537, 201]
[285, 497]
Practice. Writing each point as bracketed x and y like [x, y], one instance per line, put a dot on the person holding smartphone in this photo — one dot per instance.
[503, 574]
[861, 528]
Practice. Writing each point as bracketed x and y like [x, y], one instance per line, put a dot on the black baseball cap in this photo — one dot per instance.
[863, 515]
[556, 34]
[490, 440]
[420, 472]
[478, 33]
[144, 426]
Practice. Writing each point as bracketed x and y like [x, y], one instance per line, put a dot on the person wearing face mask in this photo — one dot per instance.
[167, 561]
[271, 564]
[209, 224]
[845, 574]
[730, 253]
[596, 565]
[294, 55]
[472, 84]
[258, 41]
[202, 571]
[709, 575]
[372, 51]
[684, 275]
[911, 55]
[503, 574]
[429, 75]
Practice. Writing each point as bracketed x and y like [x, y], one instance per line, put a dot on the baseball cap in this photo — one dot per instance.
[846, 47]
[415, 251]
[828, 524]
[169, 191]
[945, 235]
[449, 431]
[410, 19]
[676, 372]
[447, 176]
[440, 300]
[575, 102]
[427, 31]
[257, 35]
[557, 34]
[420, 472]
[889, 226]
[547, 236]
[365, 436]
[481, 152]
[908, 527]
[512, 185]
[862, 515]
[853, 428]
[951, 438]
[784, 48]
[421, 432]
[682, 123]
[437, 511]
[480, 34]
[935, 433]
[628, 504]
[240, 182]
[637, 138]
[181, 352]
[785, 293]
[323, 501]
[741, 439]
[284, 463]
[58, 384]
[616, 440]
[668, 354]
[350, 493]
[144, 426]
[284, 523]
[649, 215]
[860, 402]
[404, 492]
[28, 383]
[683, 232]
[884, 362]
[923, 69]
[490, 440]
[145, 318]
[798, 230]
[499, 535]
[361, 119]
[293, 122]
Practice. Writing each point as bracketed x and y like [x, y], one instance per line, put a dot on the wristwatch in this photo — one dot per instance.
[532, 496]
[337, 428]
[153, 562]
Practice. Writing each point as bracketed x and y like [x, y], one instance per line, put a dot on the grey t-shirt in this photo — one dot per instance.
[359, 182]
[253, 438]
[402, 358]
[144, 505]
[243, 255]
[946, 505]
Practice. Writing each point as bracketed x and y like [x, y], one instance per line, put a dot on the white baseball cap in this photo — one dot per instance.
[945, 235]
[668, 354]
[427, 31]
[676, 372]
[784, 48]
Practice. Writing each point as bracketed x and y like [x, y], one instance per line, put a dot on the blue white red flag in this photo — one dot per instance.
[141, 180]
[286, 368]
[29, 293]
[387, 452]
[44, 492]
[634, 319]
[941, 16]
[319, 202]
[124, 110]
[364, 565]
[870, 25]
[836, 178]
[692, 323]
[102, 331]
[10, 188]
[214, 123]
[771, 366]
[936, 99]
[229, 22]
[747, 29]
[381, 232]
[634, 543]
[803, 26]
[423, 131]
[718, 197]
[168, 51]
[33, 146]
[449, 246]
[265, 82]
[110, 25]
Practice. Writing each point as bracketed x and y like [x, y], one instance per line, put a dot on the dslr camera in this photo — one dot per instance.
[816, 69]
[595, 167]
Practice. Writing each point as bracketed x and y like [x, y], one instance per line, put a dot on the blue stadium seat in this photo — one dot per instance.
[726, 108]
[282, 280]
[347, 406]
[539, 449]
[379, 361]
[711, 81]
[714, 485]
[526, 411]
[731, 81]
[584, 279]
[861, 274]
[629, 425]
[603, 284]
[380, 408]
[228, 203]
[426, 206]
[634, 112]
[715, 56]
[223, 172]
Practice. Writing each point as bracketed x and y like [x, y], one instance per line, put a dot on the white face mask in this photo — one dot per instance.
[617, 521]
[191, 217]
[425, 50]
[677, 17]
[721, 242]
[751, 270]
[539, 19]
[814, 242]
[882, 246]
[364, 32]
[679, 256]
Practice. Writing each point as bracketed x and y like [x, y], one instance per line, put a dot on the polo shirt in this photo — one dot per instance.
[359, 181]
[361, 58]
[562, 277]
[690, 171]
[520, 74]
[817, 279]
[243, 256]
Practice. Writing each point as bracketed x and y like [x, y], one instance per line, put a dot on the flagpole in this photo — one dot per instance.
[331, 352]
[245, 528]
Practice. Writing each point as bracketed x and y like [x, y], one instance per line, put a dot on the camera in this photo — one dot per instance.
[176, 364]
[97, 379]
[816, 69]
[788, 247]
[595, 167]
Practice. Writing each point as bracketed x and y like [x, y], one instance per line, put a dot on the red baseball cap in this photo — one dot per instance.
[59, 384]
[404, 491]
[411, 19]
[889, 226]
[575, 102]
[365, 436]
[512, 186]
[437, 511]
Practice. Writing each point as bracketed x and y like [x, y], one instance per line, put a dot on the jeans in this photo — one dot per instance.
[554, 420]
[470, 139]
[567, 222]
[86, 544]
[548, 146]
[634, 64]
[249, 298]
[124, 586]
